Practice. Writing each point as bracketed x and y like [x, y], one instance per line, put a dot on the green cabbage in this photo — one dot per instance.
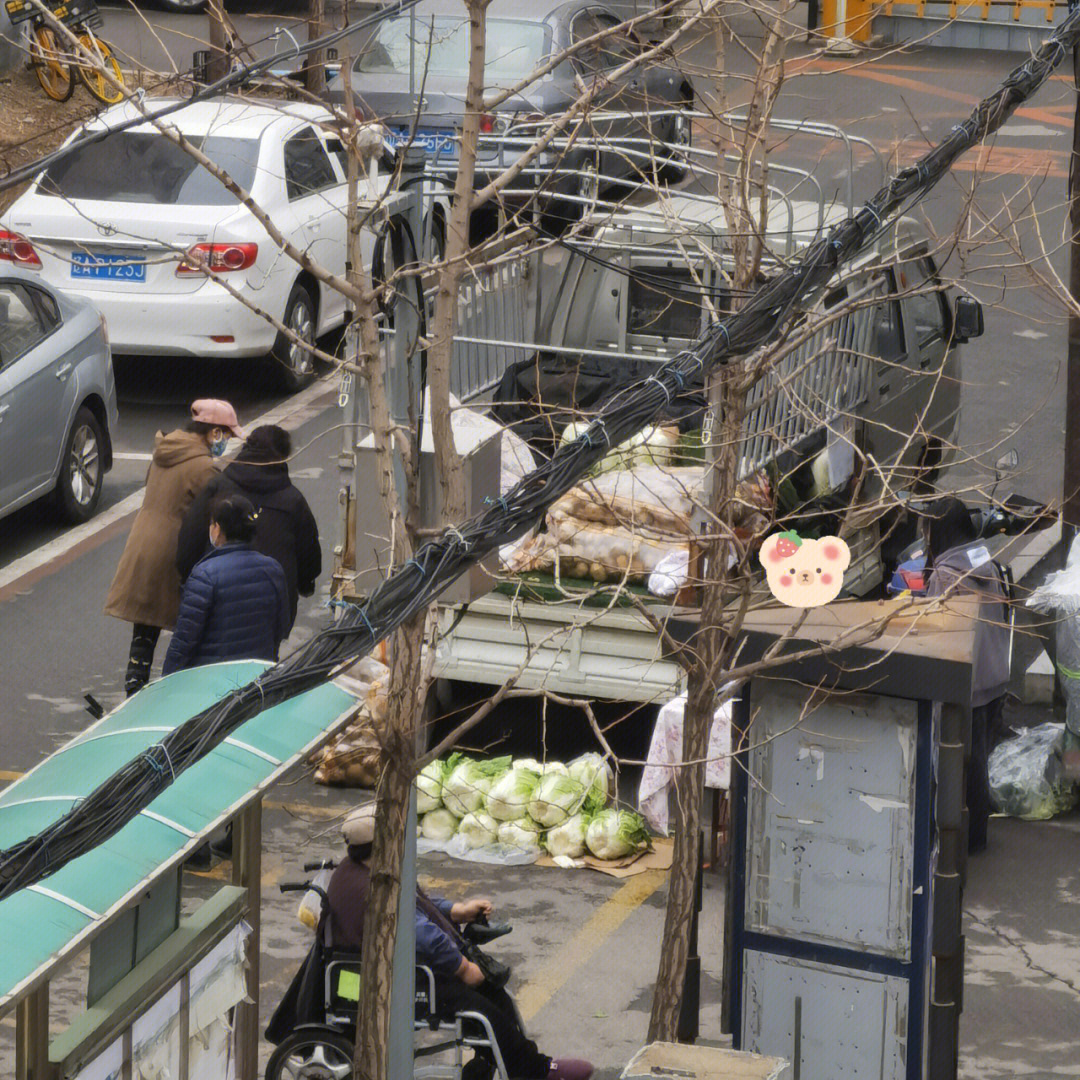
[509, 796]
[568, 838]
[439, 825]
[615, 833]
[478, 830]
[593, 773]
[465, 788]
[520, 834]
[429, 787]
[556, 798]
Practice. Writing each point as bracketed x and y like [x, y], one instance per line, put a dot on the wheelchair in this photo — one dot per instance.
[324, 1051]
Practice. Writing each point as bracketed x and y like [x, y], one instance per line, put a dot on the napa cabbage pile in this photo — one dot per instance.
[527, 805]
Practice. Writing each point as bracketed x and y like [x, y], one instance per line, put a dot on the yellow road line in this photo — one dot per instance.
[539, 990]
[10, 774]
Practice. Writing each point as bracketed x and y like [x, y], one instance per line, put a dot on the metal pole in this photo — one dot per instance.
[215, 12]
[247, 872]
[1071, 485]
[403, 378]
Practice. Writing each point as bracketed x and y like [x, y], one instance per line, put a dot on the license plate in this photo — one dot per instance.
[436, 143]
[109, 267]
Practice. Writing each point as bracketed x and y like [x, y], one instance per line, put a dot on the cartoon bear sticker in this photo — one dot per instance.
[804, 573]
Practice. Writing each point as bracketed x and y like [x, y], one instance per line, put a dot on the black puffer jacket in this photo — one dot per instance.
[235, 607]
[285, 529]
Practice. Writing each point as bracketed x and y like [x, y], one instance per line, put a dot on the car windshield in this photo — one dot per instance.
[136, 167]
[514, 47]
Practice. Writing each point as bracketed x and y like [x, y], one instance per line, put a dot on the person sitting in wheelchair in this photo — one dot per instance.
[460, 985]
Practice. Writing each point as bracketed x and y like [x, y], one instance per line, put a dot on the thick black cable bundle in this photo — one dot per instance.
[415, 585]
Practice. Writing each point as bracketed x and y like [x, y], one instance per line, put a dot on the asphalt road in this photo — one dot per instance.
[585, 948]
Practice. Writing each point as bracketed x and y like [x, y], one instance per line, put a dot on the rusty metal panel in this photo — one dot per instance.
[831, 818]
[831, 1023]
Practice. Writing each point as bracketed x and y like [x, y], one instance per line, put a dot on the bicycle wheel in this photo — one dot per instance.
[93, 74]
[50, 66]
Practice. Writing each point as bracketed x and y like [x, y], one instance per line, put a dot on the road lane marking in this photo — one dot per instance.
[10, 774]
[22, 573]
[123, 455]
[540, 989]
[828, 67]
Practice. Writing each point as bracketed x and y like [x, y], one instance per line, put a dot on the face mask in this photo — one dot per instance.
[217, 448]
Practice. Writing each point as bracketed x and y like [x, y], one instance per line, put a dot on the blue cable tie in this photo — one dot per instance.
[599, 421]
[413, 562]
[367, 622]
[721, 329]
[678, 377]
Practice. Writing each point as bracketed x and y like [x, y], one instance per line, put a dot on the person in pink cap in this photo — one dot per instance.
[146, 589]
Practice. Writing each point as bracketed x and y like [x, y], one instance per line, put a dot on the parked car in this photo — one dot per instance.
[57, 395]
[412, 71]
[124, 221]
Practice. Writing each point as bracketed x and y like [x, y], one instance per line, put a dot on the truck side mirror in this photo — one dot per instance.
[967, 319]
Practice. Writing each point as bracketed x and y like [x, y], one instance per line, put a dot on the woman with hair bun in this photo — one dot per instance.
[235, 604]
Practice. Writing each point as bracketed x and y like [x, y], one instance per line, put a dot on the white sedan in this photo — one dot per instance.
[126, 220]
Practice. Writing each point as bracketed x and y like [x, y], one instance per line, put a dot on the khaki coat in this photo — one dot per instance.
[146, 588]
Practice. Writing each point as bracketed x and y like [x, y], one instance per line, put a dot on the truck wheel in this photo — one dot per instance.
[292, 366]
[78, 487]
[311, 1054]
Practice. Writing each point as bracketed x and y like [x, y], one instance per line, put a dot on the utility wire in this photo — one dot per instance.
[412, 587]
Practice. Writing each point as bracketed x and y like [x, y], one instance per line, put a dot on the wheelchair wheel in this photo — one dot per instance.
[311, 1054]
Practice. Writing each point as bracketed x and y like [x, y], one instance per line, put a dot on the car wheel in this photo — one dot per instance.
[183, 7]
[562, 212]
[679, 142]
[311, 1054]
[293, 366]
[82, 475]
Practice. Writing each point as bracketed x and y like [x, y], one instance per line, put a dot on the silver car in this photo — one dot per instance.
[411, 74]
[57, 395]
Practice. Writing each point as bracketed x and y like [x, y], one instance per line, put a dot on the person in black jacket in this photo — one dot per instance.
[235, 604]
[285, 528]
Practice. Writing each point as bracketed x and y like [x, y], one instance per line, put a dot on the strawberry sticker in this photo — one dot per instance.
[787, 543]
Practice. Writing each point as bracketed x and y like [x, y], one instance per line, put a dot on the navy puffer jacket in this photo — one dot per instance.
[235, 607]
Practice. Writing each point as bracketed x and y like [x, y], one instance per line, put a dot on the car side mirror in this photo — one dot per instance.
[967, 319]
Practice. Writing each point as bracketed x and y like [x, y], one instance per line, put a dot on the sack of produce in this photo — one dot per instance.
[649, 497]
[653, 445]
[604, 553]
[1026, 774]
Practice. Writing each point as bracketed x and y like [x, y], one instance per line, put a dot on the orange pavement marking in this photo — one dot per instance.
[1045, 116]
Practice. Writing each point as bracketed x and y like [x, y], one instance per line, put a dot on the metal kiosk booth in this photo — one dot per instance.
[843, 944]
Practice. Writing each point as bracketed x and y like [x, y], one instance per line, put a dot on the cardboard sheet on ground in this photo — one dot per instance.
[657, 859]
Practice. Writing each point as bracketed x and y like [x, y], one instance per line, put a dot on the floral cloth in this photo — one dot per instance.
[665, 750]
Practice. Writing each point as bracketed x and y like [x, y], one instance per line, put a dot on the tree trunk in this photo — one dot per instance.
[710, 650]
[315, 64]
[398, 743]
[457, 245]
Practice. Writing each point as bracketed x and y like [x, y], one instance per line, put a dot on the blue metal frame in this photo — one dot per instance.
[914, 972]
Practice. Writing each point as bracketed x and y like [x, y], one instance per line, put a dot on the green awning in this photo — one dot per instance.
[43, 922]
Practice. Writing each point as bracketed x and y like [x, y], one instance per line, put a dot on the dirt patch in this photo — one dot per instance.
[32, 124]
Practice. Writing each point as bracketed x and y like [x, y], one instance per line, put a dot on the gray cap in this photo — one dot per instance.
[359, 826]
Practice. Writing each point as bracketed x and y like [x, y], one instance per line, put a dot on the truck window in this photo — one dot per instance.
[888, 328]
[925, 314]
[661, 312]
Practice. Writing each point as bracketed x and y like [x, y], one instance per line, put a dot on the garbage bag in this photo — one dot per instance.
[1059, 596]
[1026, 778]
